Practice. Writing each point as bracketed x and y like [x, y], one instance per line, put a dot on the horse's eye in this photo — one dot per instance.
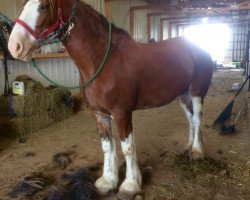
[44, 7]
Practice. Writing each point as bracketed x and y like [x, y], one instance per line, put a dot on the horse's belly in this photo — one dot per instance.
[151, 98]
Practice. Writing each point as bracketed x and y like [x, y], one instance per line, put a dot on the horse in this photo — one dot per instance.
[134, 76]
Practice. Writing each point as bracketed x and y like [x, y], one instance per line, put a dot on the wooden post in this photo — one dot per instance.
[107, 10]
[161, 30]
[149, 27]
[247, 59]
[132, 18]
[170, 30]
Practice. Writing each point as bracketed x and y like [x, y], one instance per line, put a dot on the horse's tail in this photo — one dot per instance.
[202, 73]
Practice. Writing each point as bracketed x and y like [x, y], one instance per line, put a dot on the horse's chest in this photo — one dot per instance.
[94, 99]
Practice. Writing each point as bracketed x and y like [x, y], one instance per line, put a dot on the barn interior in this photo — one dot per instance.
[42, 122]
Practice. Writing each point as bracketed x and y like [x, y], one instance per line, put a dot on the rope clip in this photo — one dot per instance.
[71, 26]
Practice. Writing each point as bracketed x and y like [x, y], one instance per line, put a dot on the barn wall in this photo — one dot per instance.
[120, 16]
[10, 8]
[237, 45]
[60, 70]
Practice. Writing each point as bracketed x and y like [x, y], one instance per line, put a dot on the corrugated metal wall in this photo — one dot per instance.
[60, 70]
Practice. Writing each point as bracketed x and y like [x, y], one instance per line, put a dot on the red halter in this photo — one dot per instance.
[47, 31]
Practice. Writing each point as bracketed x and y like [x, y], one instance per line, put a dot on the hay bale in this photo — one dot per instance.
[55, 97]
[30, 104]
[6, 128]
[61, 113]
[58, 109]
[31, 85]
[3, 106]
[21, 126]
[36, 110]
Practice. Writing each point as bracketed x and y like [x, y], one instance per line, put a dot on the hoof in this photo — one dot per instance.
[104, 185]
[128, 190]
[126, 195]
[187, 150]
[194, 155]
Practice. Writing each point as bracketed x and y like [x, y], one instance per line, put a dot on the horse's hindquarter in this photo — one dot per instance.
[165, 70]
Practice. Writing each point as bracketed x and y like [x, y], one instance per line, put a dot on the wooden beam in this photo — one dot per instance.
[218, 16]
[171, 10]
[227, 21]
[47, 55]
[107, 10]
[156, 14]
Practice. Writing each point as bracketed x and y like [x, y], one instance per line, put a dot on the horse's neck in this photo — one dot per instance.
[88, 40]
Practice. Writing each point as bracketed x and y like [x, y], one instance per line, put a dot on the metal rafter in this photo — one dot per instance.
[199, 6]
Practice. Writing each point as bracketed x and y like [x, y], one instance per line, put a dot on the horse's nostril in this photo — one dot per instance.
[19, 47]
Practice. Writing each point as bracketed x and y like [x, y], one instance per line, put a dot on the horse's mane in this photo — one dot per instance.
[105, 22]
[52, 7]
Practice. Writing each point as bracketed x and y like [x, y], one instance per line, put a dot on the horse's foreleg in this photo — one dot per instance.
[132, 183]
[109, 179]
[197, 151]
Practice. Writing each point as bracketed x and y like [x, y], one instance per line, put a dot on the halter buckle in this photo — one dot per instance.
[71, 26]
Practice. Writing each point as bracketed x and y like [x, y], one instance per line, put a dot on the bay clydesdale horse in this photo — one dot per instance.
[134, 76]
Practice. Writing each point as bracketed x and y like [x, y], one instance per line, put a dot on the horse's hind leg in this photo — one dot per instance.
[192, 107]
[197, 151]
[109, 180]
[132, 183]
[186, 105]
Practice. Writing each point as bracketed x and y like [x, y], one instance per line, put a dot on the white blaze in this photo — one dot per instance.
[30, 16]
[21, 42]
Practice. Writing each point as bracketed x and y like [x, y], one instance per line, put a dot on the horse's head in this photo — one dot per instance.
[36, 17]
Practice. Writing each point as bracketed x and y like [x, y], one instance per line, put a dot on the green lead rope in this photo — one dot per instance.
[86, 83]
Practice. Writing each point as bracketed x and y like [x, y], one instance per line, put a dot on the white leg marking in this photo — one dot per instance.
[191, 124]
[197, 106]
[109, 180]
[133, 179]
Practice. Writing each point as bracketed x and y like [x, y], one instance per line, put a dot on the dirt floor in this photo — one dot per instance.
[160, 136]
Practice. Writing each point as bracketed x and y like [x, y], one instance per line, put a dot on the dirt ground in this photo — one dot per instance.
[160, 136]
